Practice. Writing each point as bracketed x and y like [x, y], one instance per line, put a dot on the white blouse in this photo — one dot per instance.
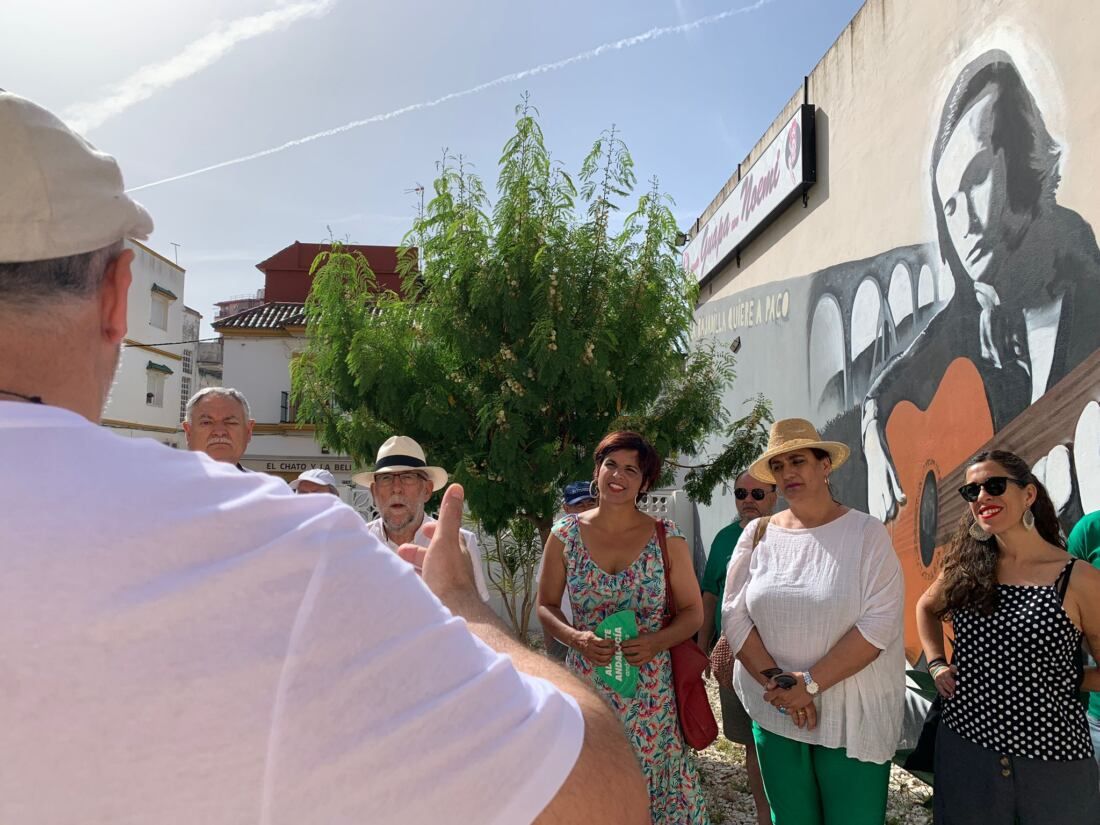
[803, 590]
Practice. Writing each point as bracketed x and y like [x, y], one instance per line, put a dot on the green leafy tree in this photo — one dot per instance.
[528, 329]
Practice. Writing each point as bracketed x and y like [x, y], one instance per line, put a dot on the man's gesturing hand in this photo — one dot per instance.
[444, 564]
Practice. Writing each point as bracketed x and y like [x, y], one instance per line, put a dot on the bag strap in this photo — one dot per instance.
[761, 528]
[670, 604]
[1061, 584]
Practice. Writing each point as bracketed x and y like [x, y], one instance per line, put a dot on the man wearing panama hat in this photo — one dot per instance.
[401, 484]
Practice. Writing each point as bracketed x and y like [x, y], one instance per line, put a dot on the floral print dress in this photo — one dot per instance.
[650, 719]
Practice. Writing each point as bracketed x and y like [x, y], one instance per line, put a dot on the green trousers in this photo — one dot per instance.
[812, 785]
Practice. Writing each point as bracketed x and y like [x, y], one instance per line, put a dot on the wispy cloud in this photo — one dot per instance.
[617, 45]
[198, 55]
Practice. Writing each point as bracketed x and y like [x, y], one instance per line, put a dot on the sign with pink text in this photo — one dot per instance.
[786, 169]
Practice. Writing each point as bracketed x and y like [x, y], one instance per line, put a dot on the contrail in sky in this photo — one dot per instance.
[196, 56]
[617, 45]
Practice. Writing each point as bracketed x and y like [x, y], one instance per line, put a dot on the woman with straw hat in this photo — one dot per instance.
[813, 610]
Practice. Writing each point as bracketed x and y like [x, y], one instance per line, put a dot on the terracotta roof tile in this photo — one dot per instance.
[267, 316]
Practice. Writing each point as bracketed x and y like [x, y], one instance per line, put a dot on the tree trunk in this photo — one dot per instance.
[543, 525]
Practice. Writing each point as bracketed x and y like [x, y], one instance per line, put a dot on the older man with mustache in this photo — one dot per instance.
[218, 422]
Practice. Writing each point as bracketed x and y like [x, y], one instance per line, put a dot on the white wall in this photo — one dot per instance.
[259, 366]
[127, 405]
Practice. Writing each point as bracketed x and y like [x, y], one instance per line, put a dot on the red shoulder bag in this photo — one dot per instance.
[688, 663]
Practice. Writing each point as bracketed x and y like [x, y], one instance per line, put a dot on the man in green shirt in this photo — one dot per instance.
[754, 499]
[1084, 543]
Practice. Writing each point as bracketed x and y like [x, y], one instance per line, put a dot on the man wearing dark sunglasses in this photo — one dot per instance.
[754, 499]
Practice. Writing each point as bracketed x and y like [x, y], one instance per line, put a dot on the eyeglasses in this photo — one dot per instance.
[407, 479]
[756, 493]
[995, 486]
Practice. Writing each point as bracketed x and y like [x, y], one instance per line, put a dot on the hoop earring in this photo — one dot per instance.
[979, 534]
[593, 490]
[1028, 518]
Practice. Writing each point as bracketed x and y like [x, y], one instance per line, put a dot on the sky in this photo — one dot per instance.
[171, 88]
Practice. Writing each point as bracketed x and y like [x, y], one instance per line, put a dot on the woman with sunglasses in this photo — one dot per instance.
[1013, 745]
[813, 610]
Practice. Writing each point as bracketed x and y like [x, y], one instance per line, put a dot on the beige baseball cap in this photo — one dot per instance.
[59, 195]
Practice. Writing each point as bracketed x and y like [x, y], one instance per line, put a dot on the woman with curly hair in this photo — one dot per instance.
[1013, 744]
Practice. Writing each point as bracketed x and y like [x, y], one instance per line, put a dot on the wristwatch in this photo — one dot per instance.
[812, 687]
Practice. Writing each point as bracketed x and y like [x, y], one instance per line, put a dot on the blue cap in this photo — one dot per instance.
[576, 492]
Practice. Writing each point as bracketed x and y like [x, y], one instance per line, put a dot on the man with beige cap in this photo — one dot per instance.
[181, 642]
[401, 484]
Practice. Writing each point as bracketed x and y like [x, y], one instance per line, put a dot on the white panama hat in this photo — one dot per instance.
[400, 454]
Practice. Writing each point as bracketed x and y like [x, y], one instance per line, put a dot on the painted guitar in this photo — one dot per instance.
[927, 445]
[930, 449]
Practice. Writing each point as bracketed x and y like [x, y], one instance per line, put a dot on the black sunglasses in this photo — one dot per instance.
[995, 486]
[743, 494]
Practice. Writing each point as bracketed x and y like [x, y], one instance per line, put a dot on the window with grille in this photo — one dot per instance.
[187, 362]
[288, 410]
[185, 394]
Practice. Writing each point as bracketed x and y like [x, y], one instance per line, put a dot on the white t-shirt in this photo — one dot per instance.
[803, 590]
[377, 530]
[184, 643]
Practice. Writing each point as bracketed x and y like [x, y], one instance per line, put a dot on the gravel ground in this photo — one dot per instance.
[727, 790]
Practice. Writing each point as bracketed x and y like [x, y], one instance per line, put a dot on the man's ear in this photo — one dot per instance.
[114, 297]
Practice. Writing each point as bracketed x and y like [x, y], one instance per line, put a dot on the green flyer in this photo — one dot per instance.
[618, 674]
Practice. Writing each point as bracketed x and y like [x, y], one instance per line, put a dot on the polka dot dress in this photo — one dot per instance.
[1019, 674]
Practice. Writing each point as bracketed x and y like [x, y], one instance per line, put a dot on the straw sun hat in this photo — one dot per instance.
[792, 434]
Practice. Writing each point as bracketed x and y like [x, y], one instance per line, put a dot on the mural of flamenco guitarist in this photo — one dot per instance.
[1024, 270]
[1023, 316]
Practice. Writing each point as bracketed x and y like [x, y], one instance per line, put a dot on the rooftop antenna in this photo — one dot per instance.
[175, 251]
[418, 190]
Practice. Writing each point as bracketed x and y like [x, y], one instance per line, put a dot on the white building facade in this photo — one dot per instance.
[258, 347]
[189, 378]
[145, 398]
